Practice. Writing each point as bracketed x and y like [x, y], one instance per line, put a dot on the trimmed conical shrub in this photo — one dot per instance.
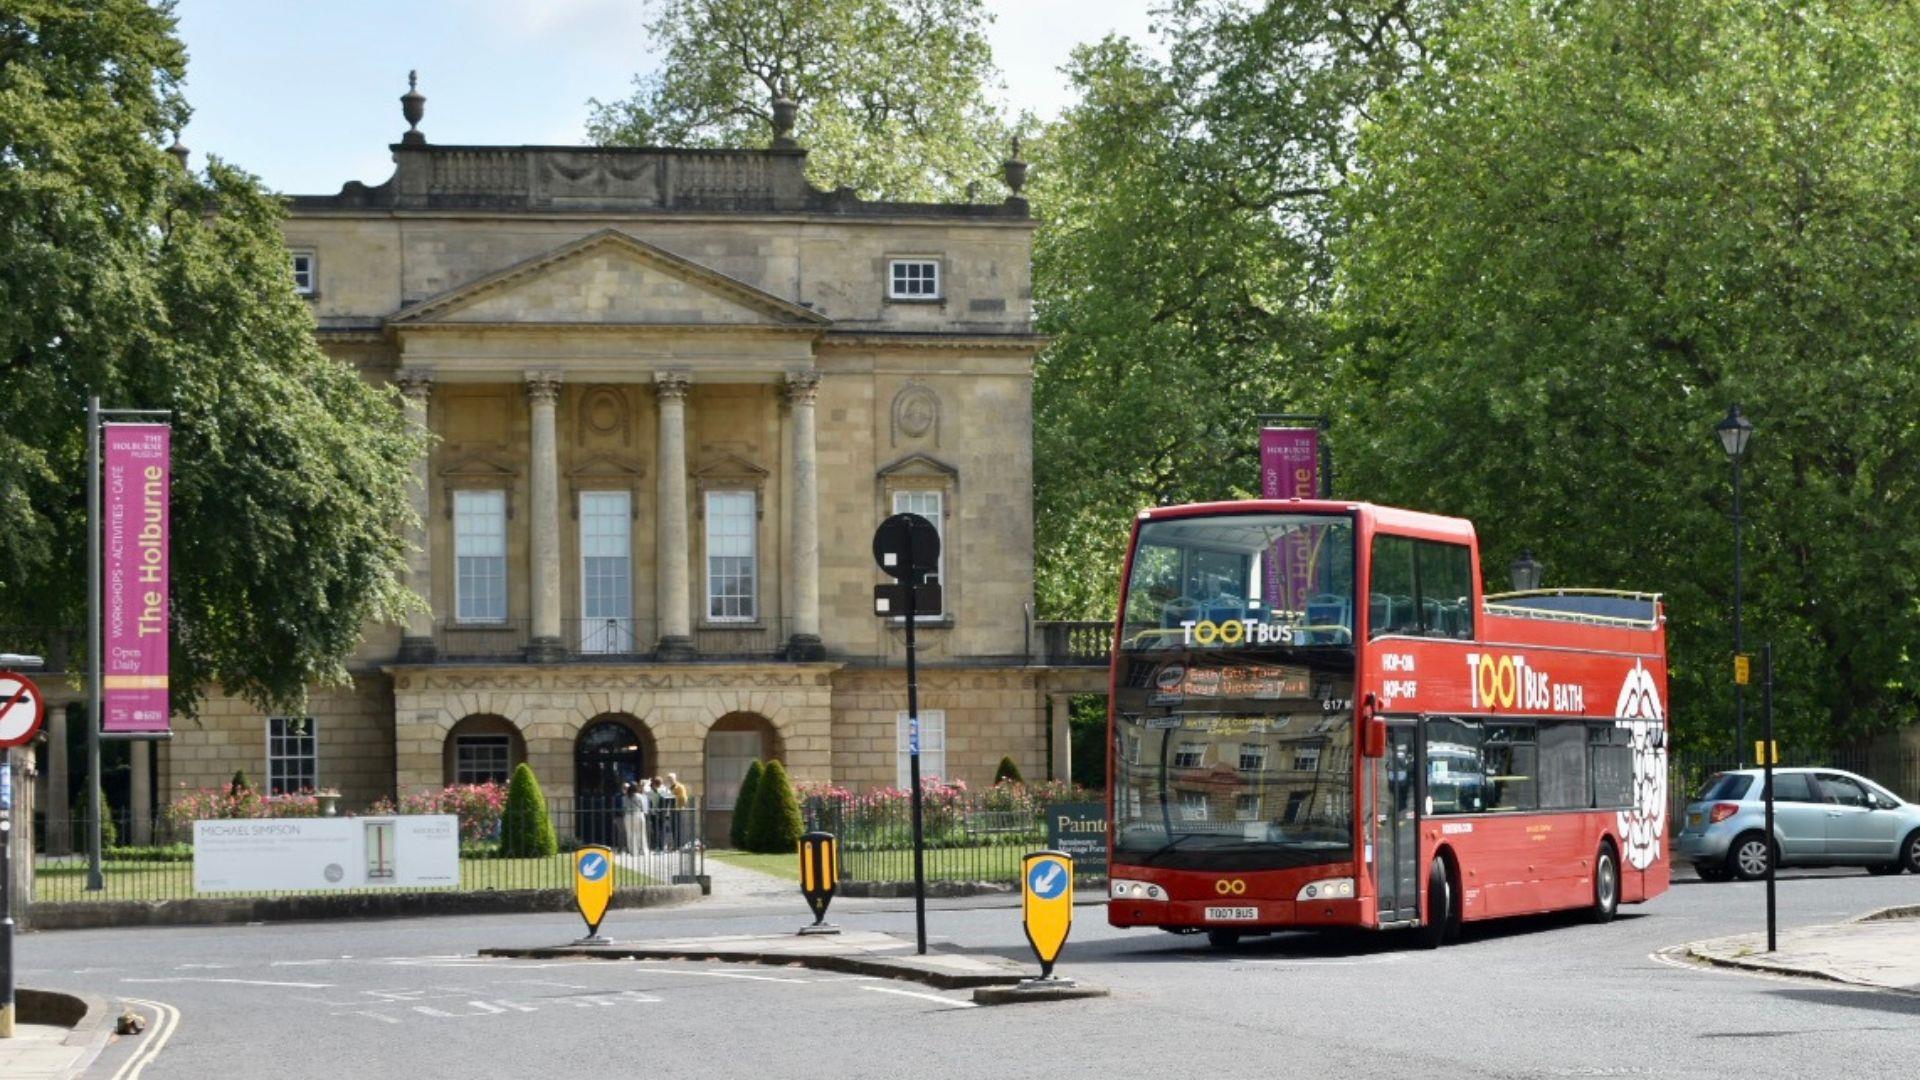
[1008, 771]
[525, 829]
[743, 807]
[775, 828]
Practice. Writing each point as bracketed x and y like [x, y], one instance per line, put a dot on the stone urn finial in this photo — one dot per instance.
[180, 152]
[413, 106]
[1014, 170]
[785, 112]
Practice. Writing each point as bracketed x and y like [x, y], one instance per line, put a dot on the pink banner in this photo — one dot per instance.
[137, 529]
[1290, 469]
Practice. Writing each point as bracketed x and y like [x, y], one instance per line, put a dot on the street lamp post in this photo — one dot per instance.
[1526, 571]
[1734, 431]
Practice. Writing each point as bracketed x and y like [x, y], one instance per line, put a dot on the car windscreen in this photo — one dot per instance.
[1731, 786]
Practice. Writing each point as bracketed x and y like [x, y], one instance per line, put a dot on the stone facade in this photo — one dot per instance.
[621, 336]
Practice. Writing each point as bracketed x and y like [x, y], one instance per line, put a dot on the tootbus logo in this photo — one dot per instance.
[1230, 886]
[1507, 681]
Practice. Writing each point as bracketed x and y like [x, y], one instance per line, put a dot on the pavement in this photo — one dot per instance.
[41, 1052]
[1880, 950]
[850, 952]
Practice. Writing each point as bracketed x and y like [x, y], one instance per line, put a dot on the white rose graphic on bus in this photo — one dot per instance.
[1644, 827]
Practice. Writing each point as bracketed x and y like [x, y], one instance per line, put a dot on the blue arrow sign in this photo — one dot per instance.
[593, 867]
[1048, 879]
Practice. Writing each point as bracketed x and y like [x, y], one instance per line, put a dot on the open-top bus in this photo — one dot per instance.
[1318, 719]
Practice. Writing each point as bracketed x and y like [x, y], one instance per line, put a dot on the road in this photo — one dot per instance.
[1541, 997]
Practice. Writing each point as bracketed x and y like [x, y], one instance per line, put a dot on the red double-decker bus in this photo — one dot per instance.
[1318, 718]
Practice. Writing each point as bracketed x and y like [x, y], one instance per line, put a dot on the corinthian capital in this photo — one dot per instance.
[543, 387]
[802, 386]
[415, 383]
[672, 385]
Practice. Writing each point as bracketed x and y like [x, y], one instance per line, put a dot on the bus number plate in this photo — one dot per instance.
[1233, 914]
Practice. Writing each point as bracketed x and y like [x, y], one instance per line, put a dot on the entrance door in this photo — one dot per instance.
[1396, 836]
[606, 756]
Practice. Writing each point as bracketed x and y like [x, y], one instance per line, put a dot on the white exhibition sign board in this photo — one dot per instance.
[271, 854]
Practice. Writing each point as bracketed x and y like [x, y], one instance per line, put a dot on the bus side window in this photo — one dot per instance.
[1390, 603]
[1445, 578]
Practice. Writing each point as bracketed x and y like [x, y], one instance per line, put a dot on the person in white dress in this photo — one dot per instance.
[636, 819]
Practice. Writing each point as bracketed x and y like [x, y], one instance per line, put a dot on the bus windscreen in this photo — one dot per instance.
[1241, 579]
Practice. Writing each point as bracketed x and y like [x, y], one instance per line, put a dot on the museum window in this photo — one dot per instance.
[480, 556]
[482, 759]
[933, 746]
[606, 572]
[293, 759]
[928, 504]
[913, 279]
[732, 558]
[305, 276]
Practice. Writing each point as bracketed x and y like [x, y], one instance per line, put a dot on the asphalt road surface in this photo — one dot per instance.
[1537, 997]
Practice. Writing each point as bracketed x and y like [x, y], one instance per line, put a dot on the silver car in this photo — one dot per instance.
[1821, 817]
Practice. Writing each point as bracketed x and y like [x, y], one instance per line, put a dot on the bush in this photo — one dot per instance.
[1008, 773]
[239, 783]
[743, 807]
[525, 829]
[206, 804]
[478, 806]
[775, 828]
[109, 830]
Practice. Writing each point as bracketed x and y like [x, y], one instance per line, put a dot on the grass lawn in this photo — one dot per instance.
[174, 880]
[1001, 863]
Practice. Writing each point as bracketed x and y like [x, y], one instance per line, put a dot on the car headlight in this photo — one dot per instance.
[1122, 889]
[1340, 888]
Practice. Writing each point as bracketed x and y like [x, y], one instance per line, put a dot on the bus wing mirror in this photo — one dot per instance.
[1373, 729]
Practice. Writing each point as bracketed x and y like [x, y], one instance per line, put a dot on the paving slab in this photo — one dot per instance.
[39, 1052]
[850, 952]
[1880, 949]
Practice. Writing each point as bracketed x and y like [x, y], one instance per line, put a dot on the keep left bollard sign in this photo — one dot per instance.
[593, 889]
[1046, 904]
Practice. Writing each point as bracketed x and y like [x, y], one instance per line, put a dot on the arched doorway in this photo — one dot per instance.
[482, 749]
[610, 751]
[735, 741]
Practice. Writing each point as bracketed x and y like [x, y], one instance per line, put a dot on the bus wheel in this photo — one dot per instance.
[1606, 884]
[1439, 906]
[1223, 939]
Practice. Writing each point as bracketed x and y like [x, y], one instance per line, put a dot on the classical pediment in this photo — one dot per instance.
[608, 279]
[918, 466]
[728, 469]
[606, 467]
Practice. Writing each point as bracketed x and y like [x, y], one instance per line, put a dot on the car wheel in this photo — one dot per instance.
[1439, 906]
[1710, 872]
[1911, 852]
[1749, 855]
[1606, 885]
[1223, 939]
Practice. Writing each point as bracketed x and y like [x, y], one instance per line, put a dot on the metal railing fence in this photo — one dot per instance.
[662, 847]
[972, 836]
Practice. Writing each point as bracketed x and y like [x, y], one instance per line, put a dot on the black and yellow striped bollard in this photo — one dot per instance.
[819, 871]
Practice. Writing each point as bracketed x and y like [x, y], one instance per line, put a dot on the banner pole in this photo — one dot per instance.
[96, 880]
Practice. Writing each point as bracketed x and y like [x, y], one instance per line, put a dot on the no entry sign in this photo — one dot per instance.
[21, 708]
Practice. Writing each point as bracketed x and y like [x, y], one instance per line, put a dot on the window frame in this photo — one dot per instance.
[1198, 753]
[939, 279]
[939, 495]
[1418, 551]
[506, 602]
[932, 722]
[312, 287]
[461, 773]
[309, 753]
[753, 582]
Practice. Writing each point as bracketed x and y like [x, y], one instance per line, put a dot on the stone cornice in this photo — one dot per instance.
[866, 339]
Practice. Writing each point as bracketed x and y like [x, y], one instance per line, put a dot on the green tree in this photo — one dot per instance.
[124, 275]
[1182, 264]
[526, 831]
[1008, 772]
[892, 94]
[1584, 232]
[776, 825]
[743, 807]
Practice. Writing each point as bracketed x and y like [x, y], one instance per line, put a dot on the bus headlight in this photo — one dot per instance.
[1340, 888]
[1122, 889]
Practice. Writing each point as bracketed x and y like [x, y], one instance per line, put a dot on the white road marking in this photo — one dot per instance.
[166, 1020]
[241, 982]
[947, 1001]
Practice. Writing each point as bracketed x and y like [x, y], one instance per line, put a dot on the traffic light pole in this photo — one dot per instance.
[913, 768]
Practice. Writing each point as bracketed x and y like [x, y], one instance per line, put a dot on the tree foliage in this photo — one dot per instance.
[1586, 230]
[743, 804]
[892, 93]
[776, 825]
[123, 275]
[526, 830]
[1182, 265]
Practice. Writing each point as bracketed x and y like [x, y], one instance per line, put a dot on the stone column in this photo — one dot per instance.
[140, 792]
[543, 395]
[59, 804]
[803, 558]
[673, 545]
[1061, 706]
[416, 642]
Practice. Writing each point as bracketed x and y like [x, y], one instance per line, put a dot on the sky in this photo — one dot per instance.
[306, 94]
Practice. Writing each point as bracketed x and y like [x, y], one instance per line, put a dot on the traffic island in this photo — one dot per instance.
[852, 953]
[1879, 950]
[1032, 990]
[58, 1035]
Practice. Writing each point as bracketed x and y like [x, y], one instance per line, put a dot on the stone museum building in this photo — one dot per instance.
[672, 393]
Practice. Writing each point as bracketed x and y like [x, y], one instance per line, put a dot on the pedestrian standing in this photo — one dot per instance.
[682, 801]
[636, 820]
[663, 798]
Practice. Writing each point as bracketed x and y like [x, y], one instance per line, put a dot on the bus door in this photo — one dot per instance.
[1396, 834]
